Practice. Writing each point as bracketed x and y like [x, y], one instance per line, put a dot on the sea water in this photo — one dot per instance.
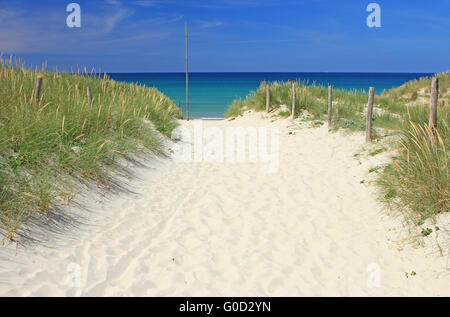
[210, 94]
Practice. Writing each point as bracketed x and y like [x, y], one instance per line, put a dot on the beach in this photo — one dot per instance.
[308, 227]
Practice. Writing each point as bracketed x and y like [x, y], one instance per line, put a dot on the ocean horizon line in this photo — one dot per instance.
[211, 94]
[318, 72]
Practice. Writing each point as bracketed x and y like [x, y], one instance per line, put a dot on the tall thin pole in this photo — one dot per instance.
[187, 77]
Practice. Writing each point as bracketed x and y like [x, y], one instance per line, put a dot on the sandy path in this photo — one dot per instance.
[218, 229]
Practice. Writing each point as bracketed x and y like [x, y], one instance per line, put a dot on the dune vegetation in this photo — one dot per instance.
[48, 144]
[418, 179]
[418, 90]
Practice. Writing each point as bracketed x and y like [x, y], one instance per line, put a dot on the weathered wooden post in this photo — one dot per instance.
[267, 98]
[369, 114]
[38, 87]
[330, 104]
[89, 94]
[433, 103]
[294, 92]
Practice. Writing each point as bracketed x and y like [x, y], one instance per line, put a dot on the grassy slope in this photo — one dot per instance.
[419, 175]
[414, 89]
[46, 145]
[389, 112]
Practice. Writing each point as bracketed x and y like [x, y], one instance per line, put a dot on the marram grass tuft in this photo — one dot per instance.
[47, 143]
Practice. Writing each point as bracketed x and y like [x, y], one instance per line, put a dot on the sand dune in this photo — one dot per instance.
[228, 229]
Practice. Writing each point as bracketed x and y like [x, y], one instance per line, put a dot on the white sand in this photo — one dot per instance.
[223, 229]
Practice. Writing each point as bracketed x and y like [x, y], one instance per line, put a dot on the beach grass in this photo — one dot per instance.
[418, 176]
[47, 145]
[348, 109]
[412, 90]
[417, 179]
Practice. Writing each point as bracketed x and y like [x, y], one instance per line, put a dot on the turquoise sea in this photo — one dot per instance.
[210, 94]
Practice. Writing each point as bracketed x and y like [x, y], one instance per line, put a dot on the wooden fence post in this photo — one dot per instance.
[330, 104]
[369, 114]
[89, 94]
[294, 92]
[267, 98]
[187, 76]
[38, 87]
[433, 102]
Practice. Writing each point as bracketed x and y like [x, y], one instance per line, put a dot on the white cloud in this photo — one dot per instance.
[108, 29]
[210, 24]
[146, 3]
[207, 4]
[112, 20]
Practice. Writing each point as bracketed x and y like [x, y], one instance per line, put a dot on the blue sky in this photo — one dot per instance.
[230, 35]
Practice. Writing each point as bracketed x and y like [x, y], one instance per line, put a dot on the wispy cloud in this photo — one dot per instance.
[210, 4]
[166, 19]
[111, 28]
[119, 14]
[210, 24]
[7, 14]
[146, 3]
